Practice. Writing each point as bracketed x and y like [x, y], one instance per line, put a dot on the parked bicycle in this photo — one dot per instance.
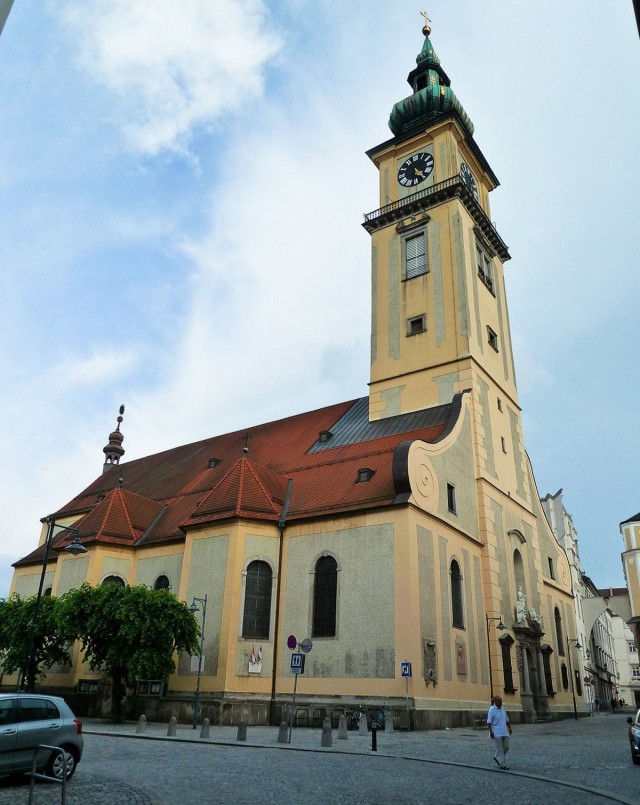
[374, 716]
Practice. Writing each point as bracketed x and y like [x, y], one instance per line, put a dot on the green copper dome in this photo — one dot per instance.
[432, 95]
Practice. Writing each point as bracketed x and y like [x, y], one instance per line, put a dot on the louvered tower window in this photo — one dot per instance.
[415, 258]
[257, 600]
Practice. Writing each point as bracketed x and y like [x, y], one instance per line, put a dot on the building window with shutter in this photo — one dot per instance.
[415, 256]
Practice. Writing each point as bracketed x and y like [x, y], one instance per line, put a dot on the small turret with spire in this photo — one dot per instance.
[114, 450]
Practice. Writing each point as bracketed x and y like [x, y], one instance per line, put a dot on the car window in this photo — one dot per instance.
[38, 710]
[6, 712]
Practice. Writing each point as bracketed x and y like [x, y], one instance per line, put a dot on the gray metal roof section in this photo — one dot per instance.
[354, 426]
[5, 8]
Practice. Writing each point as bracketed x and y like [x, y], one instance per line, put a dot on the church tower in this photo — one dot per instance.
[439, 312]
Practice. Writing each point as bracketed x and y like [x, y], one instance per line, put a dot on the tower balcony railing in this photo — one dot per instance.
[430, 197]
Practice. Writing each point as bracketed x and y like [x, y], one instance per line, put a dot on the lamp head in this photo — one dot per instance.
[75, 547]
[501, 626]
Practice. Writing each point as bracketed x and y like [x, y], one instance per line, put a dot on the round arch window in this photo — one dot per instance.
[162, 583]
[114, 580]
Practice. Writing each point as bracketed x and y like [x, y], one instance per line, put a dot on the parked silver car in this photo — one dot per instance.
[634, 737]
[28, 720]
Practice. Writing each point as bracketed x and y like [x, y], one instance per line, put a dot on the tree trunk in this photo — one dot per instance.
[118, 691]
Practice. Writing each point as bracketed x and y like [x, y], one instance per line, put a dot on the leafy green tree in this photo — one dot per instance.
[49, 646]
[128, 633]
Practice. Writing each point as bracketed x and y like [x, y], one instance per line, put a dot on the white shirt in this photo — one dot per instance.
[498, 719]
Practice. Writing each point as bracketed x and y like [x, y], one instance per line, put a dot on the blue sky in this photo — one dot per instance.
[182, 189]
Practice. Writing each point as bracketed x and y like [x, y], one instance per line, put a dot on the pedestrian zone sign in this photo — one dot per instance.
[405, 668]
[297, 663]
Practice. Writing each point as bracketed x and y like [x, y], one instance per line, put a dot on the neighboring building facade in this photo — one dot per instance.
[627, 663]
[400, 527]
[630, 530]
[592, 644]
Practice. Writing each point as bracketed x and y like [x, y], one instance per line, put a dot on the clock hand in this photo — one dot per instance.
[418, 172]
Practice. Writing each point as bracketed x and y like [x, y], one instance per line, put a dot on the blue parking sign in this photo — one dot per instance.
[405, 668]
[297, 663]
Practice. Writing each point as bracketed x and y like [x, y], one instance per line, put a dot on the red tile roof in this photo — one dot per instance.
[164, 494]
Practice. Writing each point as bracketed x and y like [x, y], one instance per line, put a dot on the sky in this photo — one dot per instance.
[182, 188]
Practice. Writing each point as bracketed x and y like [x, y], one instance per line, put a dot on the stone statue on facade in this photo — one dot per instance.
[521, 606]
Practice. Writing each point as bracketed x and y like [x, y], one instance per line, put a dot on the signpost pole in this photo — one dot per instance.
[406, 679]
[293, 706]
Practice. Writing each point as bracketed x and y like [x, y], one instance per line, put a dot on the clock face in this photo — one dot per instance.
[415, 169]
[469, 181]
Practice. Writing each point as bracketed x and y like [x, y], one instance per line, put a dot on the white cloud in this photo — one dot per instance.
[175, 66]
[79, 372]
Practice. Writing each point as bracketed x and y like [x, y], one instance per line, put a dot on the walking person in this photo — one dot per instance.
[500, 730]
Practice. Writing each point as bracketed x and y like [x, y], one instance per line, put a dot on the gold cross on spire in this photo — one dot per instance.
[426, 28]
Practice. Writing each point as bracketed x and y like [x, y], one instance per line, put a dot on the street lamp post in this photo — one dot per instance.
[194, 608]
[573, 640]
[74, 548]
[501, 627]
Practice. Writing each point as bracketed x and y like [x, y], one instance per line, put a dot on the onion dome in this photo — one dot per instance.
[114, 450]
[432, 94]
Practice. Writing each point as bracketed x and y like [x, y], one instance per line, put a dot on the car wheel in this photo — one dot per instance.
[635, 759]
[55, 765]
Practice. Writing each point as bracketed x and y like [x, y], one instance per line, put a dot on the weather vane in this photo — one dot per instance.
[426, 28]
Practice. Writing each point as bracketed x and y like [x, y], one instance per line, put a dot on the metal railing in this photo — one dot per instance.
[37, 776]
[407, 201]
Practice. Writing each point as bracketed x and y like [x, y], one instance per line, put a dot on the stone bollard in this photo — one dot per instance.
[172, 726]
[142, 724]
[205, 728]
[242, 732]
[326, 739]
[388, 723]
[363, 728]
[343, 735]
[283, 733]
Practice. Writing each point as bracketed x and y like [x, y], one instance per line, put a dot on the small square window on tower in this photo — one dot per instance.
[416, 325]
[503, 444]
[493, 338]
[451, 498]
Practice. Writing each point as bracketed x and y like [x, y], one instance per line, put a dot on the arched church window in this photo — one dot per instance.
[162, 583]
[456, 595]
[505, 647]
[559, 634]
[546, 664]
[114, 580]
[257, 600]
[325, 593]
[47, 591]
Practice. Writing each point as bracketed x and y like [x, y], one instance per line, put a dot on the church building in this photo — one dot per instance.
[401, 532]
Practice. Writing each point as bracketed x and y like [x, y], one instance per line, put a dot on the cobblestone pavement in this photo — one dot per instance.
[585, 762]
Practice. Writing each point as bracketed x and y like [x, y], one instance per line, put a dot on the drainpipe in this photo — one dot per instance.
[276, 631]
